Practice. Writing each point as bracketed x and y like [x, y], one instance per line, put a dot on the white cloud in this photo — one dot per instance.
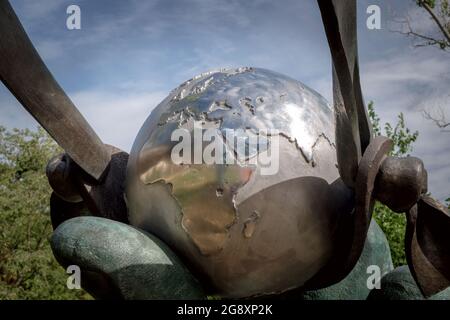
[116, 116]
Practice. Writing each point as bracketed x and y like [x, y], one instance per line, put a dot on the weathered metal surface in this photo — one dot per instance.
[433, 225]
[354, 286]
[24, 73]
[401, 285]
[61, 210]
[368, 170]
[109, 195]
[63, 179]
[400, 183]
[352, 232]
[222, 218]
[353, 130]
[72, 186]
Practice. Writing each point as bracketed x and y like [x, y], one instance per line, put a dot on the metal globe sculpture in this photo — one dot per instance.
[241, 223]
[246, 174]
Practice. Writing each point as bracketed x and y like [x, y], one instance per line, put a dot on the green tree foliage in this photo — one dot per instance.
[28, 269]
[393, 224]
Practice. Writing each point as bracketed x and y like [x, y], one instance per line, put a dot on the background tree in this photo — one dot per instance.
[439, 118]
[393, 224]
[439, 14]
[28, 269]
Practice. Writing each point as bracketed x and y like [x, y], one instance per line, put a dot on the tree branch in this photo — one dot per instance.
[436, 19]
[440, 120]
[443, 43]
[429, 41]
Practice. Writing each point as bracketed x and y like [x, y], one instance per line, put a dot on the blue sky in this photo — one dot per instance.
[128, 55]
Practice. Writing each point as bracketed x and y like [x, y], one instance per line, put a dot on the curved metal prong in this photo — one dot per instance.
[353, 130]
[24, 73]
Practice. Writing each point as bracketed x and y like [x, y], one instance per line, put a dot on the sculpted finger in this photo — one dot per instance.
[119, 261]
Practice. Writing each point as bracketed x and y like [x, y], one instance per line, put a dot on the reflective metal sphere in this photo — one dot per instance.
[242, 230]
